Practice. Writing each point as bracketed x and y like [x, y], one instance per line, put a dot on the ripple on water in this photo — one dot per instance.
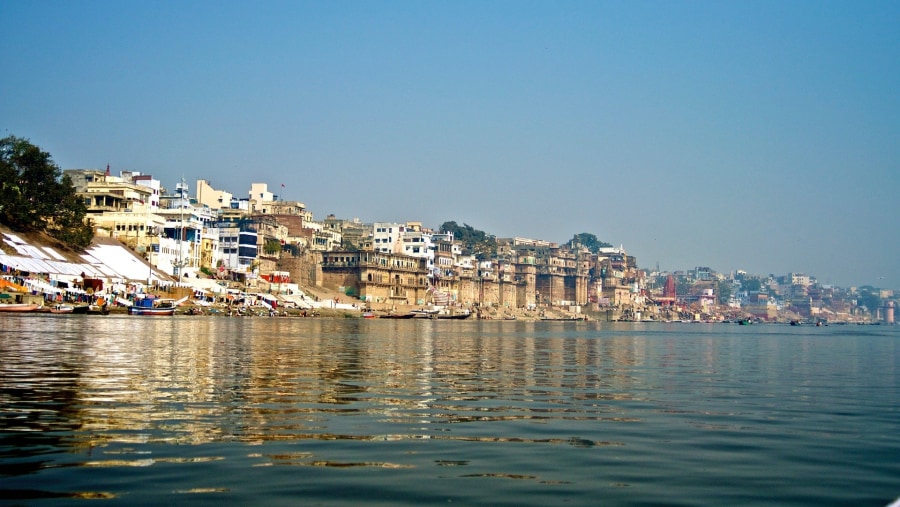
[221, 410]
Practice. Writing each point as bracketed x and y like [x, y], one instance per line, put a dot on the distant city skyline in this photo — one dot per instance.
[758, 136]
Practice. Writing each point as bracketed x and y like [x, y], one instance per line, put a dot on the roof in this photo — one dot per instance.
[105, 258]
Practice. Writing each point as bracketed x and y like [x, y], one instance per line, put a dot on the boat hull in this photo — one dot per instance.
[151, 312]
[398, 316]
[19, 307]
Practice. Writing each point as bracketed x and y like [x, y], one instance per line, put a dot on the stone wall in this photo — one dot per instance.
[305, 269]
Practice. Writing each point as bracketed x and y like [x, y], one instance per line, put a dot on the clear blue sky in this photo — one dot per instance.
[754, 135]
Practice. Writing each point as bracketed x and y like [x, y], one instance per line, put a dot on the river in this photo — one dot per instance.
[291, 411]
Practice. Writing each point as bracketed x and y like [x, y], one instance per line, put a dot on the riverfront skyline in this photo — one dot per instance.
[740, 135]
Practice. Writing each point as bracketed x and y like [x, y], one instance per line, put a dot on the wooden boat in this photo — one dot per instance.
[424, 313]
[452, 316]
[93, 310]
[152, 307]
[19, 307]
[441, 313]
[398, 316]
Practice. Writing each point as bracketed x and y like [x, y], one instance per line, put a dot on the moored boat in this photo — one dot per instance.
[398, 316]
[424, 313]
[454, 315]
[442, 313]
[19, 307]
[153, 307]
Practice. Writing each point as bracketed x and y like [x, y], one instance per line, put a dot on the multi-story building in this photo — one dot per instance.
[387, 237]
[123, 207]
[103, 192]
[259, 194]
[237, 245]
[212, 198]
[376, 277]
[180, 247]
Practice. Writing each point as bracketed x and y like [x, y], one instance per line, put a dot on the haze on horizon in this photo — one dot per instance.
[760, 136]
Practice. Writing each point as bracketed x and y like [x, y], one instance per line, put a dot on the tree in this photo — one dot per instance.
[35, 196]
[272, 246]
[478, 243]
[723, 289]
[683, 286]
[869, 297]
[751, 284]
[589, 241]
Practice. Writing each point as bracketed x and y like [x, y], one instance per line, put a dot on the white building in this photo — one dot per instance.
[259, 193]
[387, 237]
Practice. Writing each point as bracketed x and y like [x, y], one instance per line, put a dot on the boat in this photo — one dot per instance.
[62, 308]
[453, 315]
[398, 316]
[152, 307]
[19, 307]
[93, 309]
[440, 313]
[424, 313]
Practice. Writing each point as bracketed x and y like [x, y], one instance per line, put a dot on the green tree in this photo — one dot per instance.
[869, 297]
[723, 291]
[683, 286]
[751, 284]
[589, 241]
[272, 247]
[35, 196]
[478, 243]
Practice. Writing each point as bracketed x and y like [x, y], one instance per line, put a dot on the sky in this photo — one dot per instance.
[743, 135]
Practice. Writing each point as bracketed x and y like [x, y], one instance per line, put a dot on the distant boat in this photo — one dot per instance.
[424, 313]
[62, 308]
[453, 315]
[398, 316]
[19, 307]
[153, 307]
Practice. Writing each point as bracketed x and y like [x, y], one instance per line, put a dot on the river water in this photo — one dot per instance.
[290, 411]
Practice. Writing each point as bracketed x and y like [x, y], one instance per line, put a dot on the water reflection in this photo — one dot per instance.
[495, 400]
[87, 383]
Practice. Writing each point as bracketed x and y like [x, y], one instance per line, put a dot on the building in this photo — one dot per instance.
[124, 207]
[214, 199]
[376, 277]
